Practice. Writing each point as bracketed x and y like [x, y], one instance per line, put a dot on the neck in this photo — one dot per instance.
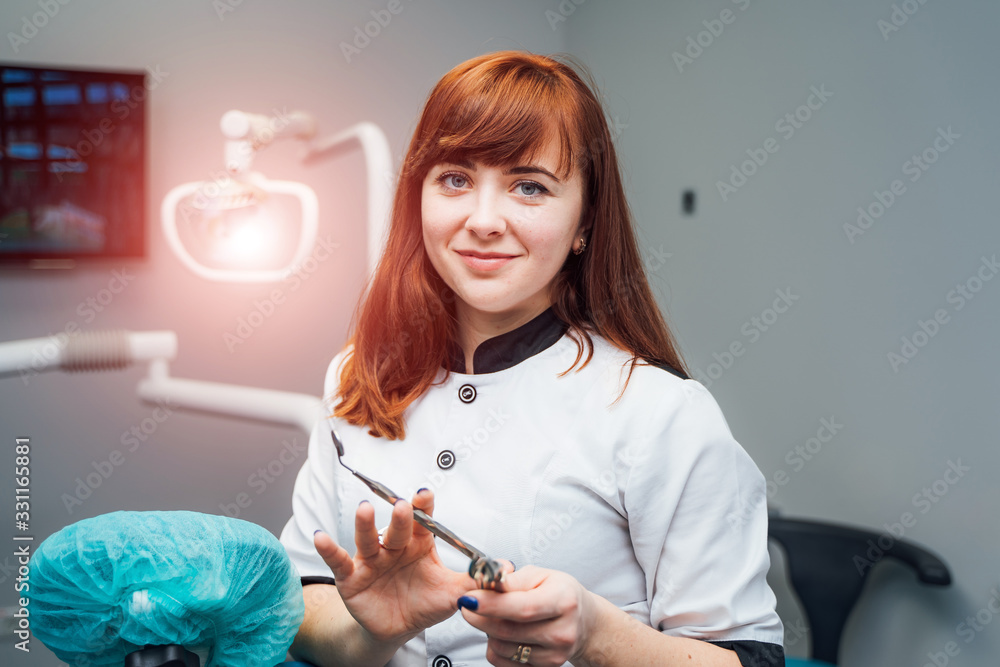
[474, 327]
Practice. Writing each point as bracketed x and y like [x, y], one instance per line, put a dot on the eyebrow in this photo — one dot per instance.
[523, 169]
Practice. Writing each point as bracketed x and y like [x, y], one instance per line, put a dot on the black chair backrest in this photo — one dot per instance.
[828, 565]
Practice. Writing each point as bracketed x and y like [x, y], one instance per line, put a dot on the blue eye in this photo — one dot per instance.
[531, 189]
[453, 181]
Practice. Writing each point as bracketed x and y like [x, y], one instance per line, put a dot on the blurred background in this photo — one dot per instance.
[814, 186]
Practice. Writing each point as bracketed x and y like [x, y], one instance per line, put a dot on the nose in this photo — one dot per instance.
[487, 217]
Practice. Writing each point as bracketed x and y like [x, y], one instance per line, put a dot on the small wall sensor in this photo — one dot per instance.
[687, 202]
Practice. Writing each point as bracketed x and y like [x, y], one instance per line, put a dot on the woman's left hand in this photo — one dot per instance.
[548, 611]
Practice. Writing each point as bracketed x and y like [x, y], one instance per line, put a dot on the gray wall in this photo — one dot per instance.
[826, 357]
[680, 128]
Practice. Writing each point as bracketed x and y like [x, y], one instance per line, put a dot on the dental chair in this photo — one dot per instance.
[828, 565]
[164, 589]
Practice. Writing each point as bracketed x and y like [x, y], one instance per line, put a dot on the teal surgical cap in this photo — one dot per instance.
[107, 586]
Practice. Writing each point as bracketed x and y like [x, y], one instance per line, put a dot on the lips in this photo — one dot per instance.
[484, 261]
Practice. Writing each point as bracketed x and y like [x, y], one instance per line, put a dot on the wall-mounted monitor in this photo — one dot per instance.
[72, 165]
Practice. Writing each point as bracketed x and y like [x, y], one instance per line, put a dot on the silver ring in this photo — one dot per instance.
[522, 654]
[381, 534]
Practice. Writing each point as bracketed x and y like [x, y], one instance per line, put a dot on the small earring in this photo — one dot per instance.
[583, 246]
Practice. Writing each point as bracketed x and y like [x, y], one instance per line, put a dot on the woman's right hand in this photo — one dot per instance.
[395, 589]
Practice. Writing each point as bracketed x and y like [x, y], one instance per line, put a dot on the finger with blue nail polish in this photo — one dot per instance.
[468, 602]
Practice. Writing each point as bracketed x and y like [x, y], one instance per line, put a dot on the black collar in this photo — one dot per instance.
[509, 349]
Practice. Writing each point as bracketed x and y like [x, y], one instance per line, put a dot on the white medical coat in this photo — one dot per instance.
[648, 500]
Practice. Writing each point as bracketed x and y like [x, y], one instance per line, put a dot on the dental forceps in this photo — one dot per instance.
[486, 571]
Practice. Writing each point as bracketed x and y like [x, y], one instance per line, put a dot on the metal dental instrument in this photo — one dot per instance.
[485, 571]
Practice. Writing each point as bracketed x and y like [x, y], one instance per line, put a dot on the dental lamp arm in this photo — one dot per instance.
[247, 133]
[107, 350]
[378, 169]
[261, 405]
[87, 351]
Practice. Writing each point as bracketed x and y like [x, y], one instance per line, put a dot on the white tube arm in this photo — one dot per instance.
[246, 133]
[149, 345]
[261, 130]
[89, 350]
[263, 405]
[378, 163]
[35, 354]
[103, 350]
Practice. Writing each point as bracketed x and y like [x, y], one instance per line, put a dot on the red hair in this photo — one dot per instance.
[498, 109]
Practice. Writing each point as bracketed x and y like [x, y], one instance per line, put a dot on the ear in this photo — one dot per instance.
[580, 239]
[586, 222]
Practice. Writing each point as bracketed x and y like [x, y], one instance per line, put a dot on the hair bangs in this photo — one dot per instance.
[504, 119]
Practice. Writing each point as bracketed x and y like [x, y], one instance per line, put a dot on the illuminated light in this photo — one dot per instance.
[244, 240]
[194, 216]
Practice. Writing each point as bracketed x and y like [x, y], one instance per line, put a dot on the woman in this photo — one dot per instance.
[510, 369]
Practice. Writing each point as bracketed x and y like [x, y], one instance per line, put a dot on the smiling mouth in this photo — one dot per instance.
[484, 261]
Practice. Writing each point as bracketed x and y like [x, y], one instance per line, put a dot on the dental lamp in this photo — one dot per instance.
[240, 191]
[236, 219]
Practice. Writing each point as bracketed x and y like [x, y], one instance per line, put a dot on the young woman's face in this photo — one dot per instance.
[499, 235]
